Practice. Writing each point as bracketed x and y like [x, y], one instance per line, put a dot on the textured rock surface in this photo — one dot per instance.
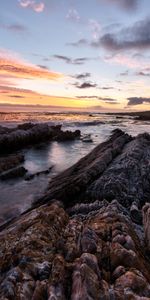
[29, 134]
[80, 248]
[74, 181]
[46, 254]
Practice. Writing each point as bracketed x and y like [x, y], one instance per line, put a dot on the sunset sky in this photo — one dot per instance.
[75, 54]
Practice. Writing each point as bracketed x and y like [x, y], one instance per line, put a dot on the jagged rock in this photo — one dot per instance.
[83, 248]
[75, 180]
[35, 264]
[67, 135]
[116, 169]
[30, 134]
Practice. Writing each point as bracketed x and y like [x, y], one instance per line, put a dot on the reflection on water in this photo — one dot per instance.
[18, 195]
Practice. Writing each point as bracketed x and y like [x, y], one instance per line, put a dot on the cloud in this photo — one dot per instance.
[43, 67]
[14, 66]
[106, 88]
[85, 85]
[125, 4]
[87, 97]
[32, 4]
[142, 73]
[127, 60]
[81, 42]
[137, 100]
[125, 73]
[72, 61]
[131, 38]
[82, 75]
[96, 107]
[95, 28]
[11, 89]
[105, 99]
[73, 15]
[16, 96]
[15, 27]
[108, 100]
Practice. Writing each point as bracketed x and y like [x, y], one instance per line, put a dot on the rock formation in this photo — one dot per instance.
[30, 134]
[89, 237]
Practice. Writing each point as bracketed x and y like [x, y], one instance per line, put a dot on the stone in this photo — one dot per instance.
[79, 245]
[32, 134]
[13, 173]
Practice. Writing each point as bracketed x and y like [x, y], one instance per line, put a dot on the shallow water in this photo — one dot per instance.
[17, 195]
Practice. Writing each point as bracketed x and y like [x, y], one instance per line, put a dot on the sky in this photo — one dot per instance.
[89, 55]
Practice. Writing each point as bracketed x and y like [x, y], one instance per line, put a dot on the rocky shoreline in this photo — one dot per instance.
[14, 140]
[89, 236]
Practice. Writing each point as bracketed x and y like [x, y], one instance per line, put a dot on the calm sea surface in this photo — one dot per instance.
[17, 195]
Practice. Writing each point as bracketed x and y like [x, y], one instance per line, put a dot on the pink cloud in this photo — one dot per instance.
[37, 7]
[127, 61]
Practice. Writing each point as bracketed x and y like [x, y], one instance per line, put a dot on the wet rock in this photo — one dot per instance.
[32, 134]
[10, 161]
[13, 173]
[67, 135]
[75, 180]
[29, 177]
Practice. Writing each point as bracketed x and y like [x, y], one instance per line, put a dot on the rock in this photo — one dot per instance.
[29, 177]
[10, 161]
[13, 173]
[136, 214]
[146, 222]
[77, 247]
[75, 180]
[45, 254]
[67, 135]
[30, 134]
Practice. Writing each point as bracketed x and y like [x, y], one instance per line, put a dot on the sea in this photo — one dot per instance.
[17, 195]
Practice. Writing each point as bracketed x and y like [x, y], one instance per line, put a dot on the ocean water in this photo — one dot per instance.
[17, 195]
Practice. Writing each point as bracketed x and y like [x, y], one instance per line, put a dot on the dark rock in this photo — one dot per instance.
[13, 173]
[29, 177]
[75, 180]
[136, 214]
[67, 135]
[10, 161]
[31, 134]
[146, 222]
